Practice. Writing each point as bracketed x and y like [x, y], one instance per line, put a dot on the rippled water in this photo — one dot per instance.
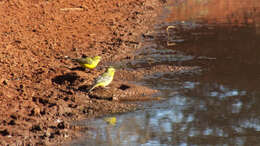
[217, 105]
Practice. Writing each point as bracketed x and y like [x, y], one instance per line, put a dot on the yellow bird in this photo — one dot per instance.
[88, 62]
[105, 79]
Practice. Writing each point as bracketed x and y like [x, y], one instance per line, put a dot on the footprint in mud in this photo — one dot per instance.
[124, 87]
[68, 77]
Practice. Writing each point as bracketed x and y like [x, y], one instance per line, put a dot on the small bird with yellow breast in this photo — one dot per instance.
[105, 79]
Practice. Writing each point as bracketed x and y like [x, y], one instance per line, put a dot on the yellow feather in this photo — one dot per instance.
[105, 79]
[88, 62]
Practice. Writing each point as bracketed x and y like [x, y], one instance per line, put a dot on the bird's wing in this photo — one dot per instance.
[104, 78]
[87, 60]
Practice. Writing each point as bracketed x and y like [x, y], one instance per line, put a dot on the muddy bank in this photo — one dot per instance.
[40, 95]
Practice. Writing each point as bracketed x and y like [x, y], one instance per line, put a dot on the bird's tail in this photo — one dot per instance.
[74, 59]
[92, 88]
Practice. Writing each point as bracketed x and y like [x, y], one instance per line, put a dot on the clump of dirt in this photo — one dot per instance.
[41, 90]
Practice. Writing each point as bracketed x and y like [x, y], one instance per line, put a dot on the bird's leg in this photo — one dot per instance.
[68, 67]
[82, 68]
[106, 88]
[87, 71]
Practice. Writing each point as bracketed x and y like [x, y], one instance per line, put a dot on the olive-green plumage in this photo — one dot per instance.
[88, 62]
[105, 79]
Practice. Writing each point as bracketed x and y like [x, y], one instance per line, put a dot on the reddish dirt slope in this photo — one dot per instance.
[38, 94]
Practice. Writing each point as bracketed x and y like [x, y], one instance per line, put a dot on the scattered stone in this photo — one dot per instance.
[43, 101]
[13, 117]
[12, 122]
[5, 82]
[36, 111]
[52, 135]
[61, 125]
[4, 132]
[36, 128]
[73, 105]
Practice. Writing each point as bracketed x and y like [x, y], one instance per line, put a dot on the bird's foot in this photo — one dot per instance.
[106, 88]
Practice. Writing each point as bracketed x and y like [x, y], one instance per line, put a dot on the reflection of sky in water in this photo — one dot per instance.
[254, 124]
[236, 107]
[189, 85]
[207, 131]
[226, 92]
[175, 121]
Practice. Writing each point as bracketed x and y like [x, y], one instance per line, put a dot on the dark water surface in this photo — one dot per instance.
[217, 105]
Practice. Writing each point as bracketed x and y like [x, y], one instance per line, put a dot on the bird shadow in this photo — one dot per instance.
[70, 78]
[84, 88]
[93, 96]
[78, 68]
[96, 93]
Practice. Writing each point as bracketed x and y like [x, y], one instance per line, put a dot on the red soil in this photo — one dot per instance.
[39, 95]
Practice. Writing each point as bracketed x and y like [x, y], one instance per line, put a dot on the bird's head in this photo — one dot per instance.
[97, 58]
[111, 69]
